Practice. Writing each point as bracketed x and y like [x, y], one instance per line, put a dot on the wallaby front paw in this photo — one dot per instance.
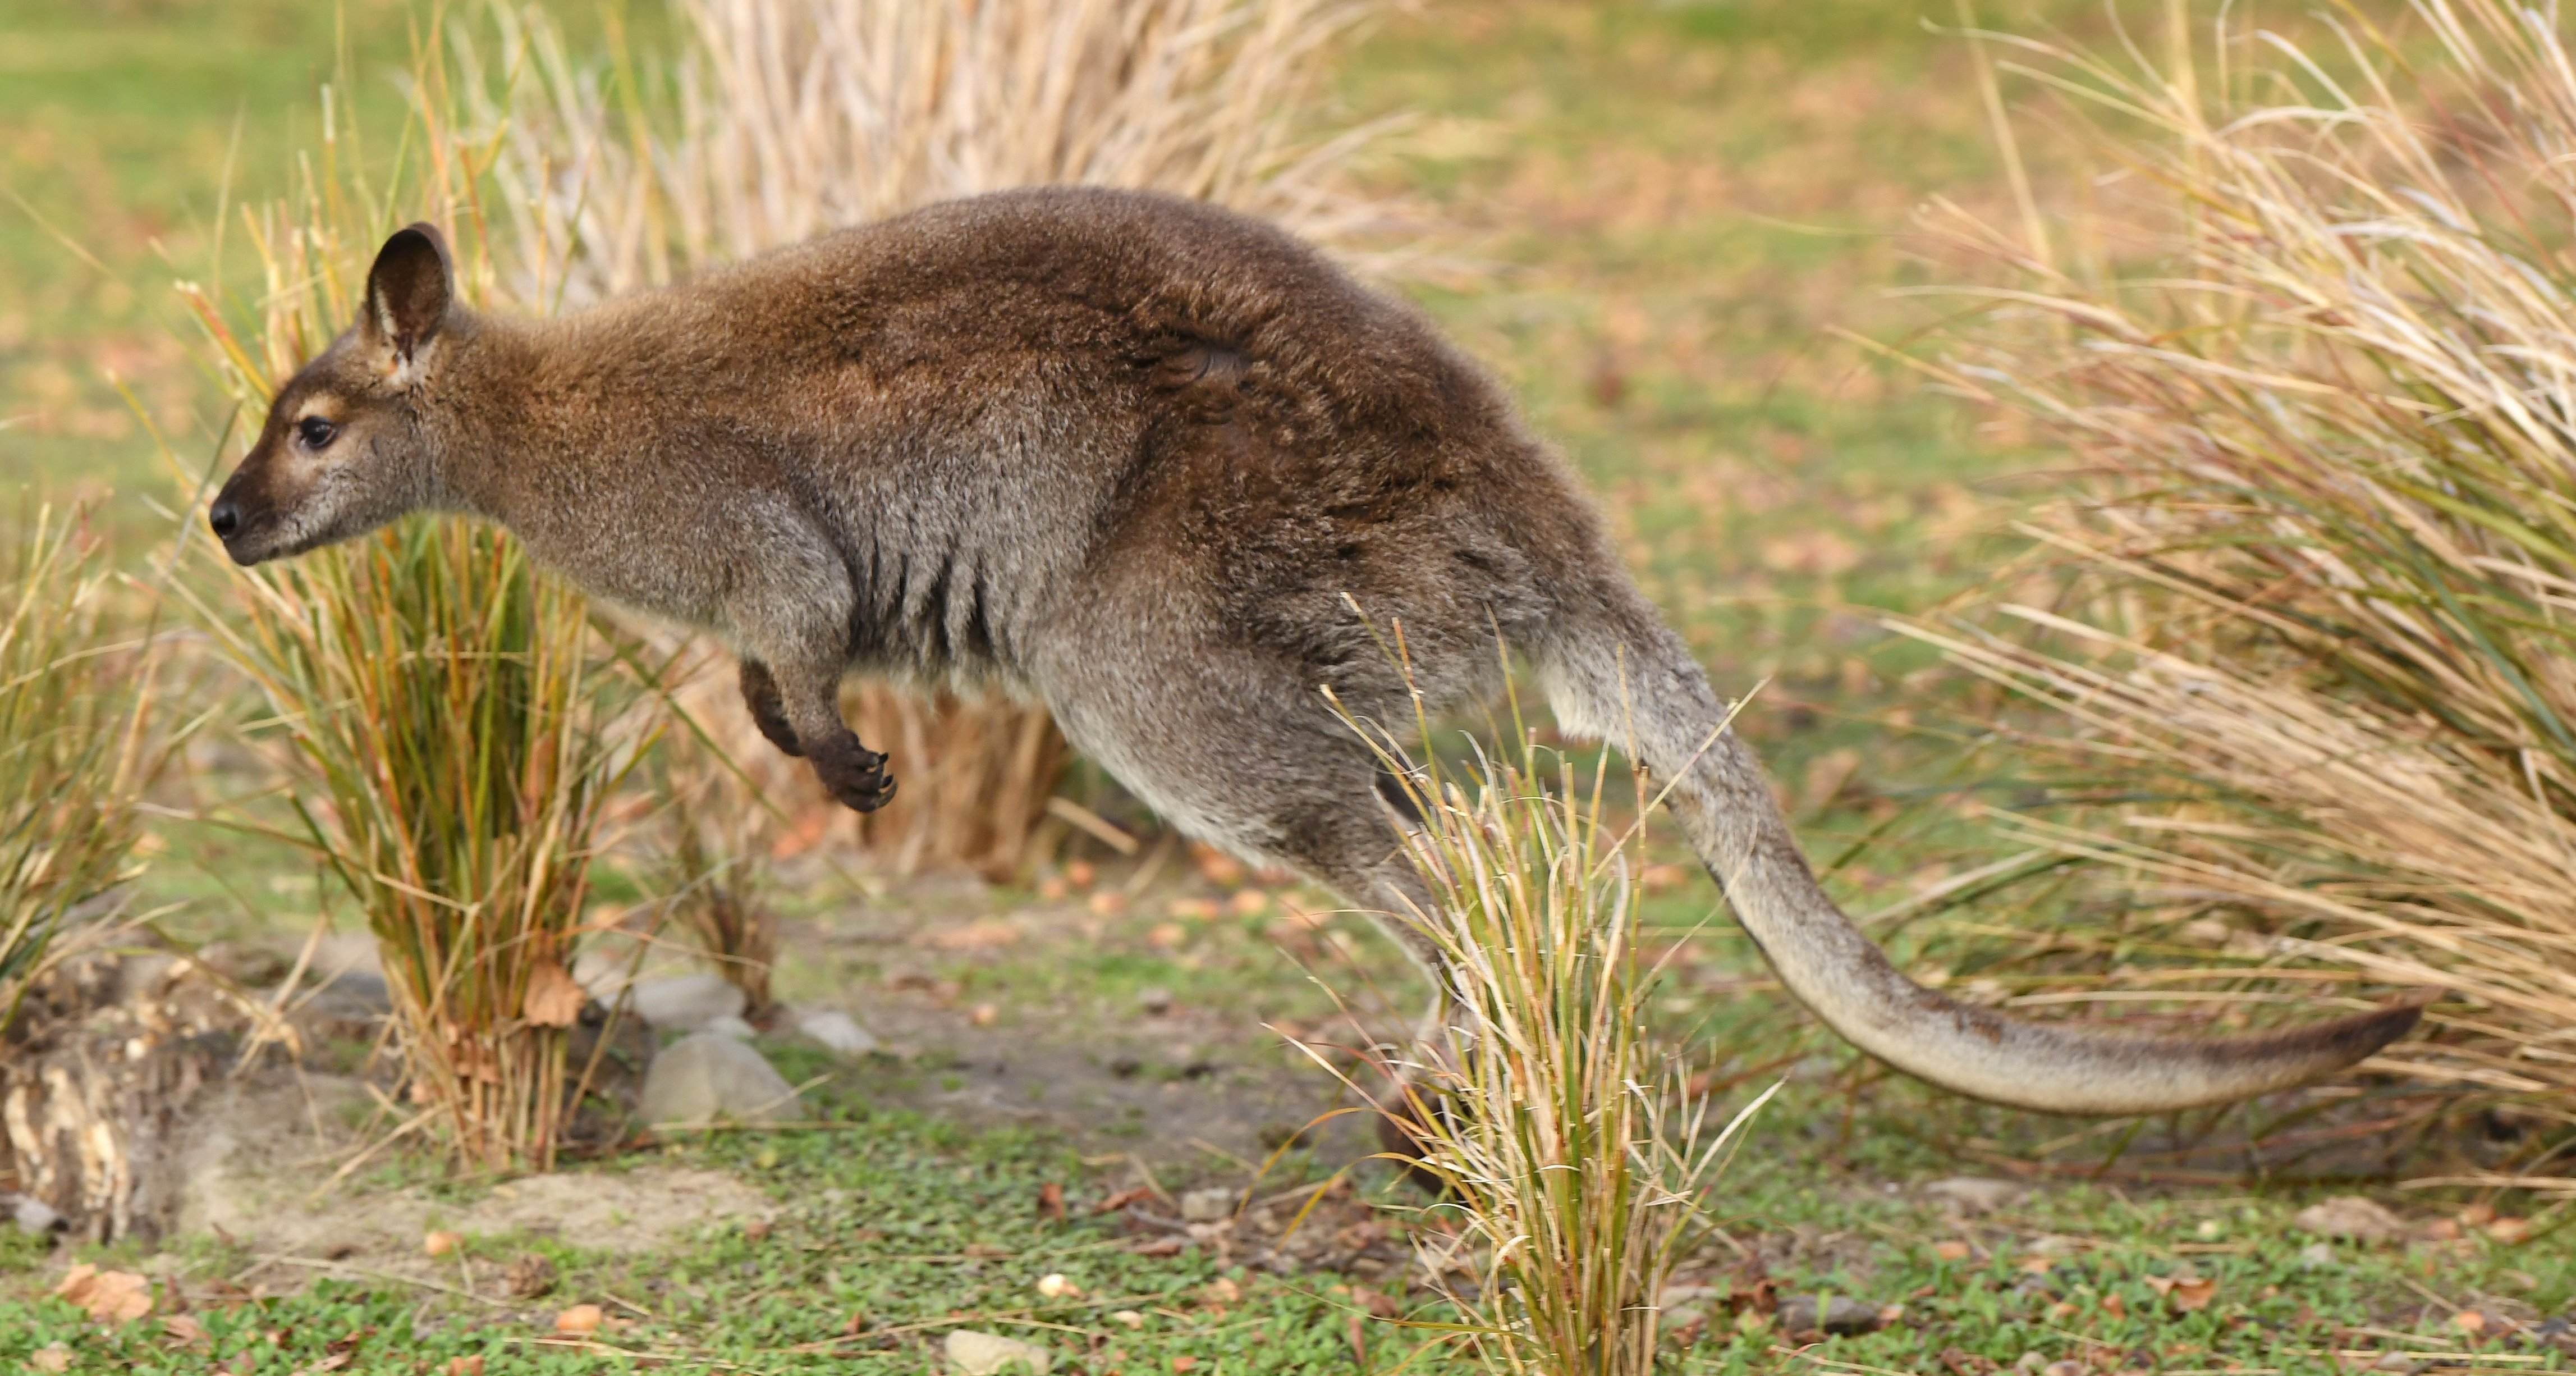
[854, 774]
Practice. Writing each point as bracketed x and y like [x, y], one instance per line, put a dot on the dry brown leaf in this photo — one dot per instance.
[2509, 1230]
[983, 934]
[442, 1242]
[107, 1296]
[553, 999]
[2469, 1321]
[465, 1366]
[2184, 1293]
[182, 1328]
[1952, 1250]
[580, 1321]
[2115, 1306]
[52, 1357]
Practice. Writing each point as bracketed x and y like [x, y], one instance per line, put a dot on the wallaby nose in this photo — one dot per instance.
[225, 518]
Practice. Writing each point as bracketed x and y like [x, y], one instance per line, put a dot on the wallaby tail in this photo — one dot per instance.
[1625, 677]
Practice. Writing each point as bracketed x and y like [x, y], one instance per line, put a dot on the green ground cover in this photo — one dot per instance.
[1654, 215]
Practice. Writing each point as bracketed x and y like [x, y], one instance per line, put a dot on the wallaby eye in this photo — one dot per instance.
[315, 431]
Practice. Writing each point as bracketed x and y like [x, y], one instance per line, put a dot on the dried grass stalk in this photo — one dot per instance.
[2319, 606]
[449, 721]
[782, 120]
[74, 713]
[1574, 1154]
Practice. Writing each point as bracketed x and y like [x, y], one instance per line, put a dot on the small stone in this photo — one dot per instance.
[441, 1242]
[685, 1003]
[707, 1076]
[1972, 1194]
[732, 1027]
[1130, 1317]
[1055, 1286]
[2350, 1216]
[988, 1354]
[2316, 1256]
[2397, 1362]
[1843, 1316]
[32, 1215]
[1208, 1205]
[838, 1032]
[1155, 1002]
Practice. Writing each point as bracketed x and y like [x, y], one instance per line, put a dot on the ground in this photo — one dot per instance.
[1651, 217]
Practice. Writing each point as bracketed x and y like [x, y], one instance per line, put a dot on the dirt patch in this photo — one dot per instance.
[262, 1148]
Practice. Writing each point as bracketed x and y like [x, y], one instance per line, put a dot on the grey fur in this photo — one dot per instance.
[1128, 454]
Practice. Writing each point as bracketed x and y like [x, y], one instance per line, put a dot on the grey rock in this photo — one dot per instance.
[1208, 1205]
[707, 1076]
[32, 1215]
[988, 1354]
[1973, 1194]
[2316, 1256]
[732, 1027]
[838, 1032]
[1843, 1316]
[685, 1003]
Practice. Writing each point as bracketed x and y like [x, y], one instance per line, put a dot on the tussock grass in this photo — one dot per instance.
[76, 712]
[779, 121]
[1572, 1152]
[448, 723]
[2314, 635]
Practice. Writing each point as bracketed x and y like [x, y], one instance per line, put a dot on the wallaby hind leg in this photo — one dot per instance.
[768, 711]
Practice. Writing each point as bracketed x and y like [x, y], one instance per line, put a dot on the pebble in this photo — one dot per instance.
[685, 1003]
[987, 1354]
[708, 1075]
[1843, 1316]
[732, 1027]
[838, 1032]
[1973, 1194]
[32, 1215]
[1208, 1205]
[2350, 1216]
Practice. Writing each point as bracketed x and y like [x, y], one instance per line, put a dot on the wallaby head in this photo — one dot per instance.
[342, 451]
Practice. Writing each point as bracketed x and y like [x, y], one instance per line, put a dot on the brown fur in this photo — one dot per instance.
[1141, 458]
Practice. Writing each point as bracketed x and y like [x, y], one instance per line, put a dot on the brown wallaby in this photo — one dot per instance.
[1160, 466]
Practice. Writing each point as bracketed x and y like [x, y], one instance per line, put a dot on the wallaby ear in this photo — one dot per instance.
[408, 291]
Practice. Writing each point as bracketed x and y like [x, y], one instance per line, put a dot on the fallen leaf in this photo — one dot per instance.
[182, 1328]
[2478, 1215]
[1160, 1247]
[1184, 1363]
[465, 1366]
[2184, 1293]
[1222, 1291]
[52, 1357]
[2509, 1230]
[2443, 1230]
[107, 1296]
[984, 1015]
[2038, 1266]
[580, 1321]
[2115, 1306]
[1951, 1251]
[983, 934]
[1122, 1199]
[439, 1244]
[856, 1325]
[1051, 1201]
[2469, 1321]
[553, 999]
[529, 1276]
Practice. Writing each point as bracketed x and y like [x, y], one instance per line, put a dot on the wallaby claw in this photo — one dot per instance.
[855, 776]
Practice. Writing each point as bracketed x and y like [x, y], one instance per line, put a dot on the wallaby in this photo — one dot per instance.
[1161, 466]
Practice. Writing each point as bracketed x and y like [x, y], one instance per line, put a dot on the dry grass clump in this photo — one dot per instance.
[779, 121]
[1574, 1155]
[74, 707]
[450, 725]
[2317, 623]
